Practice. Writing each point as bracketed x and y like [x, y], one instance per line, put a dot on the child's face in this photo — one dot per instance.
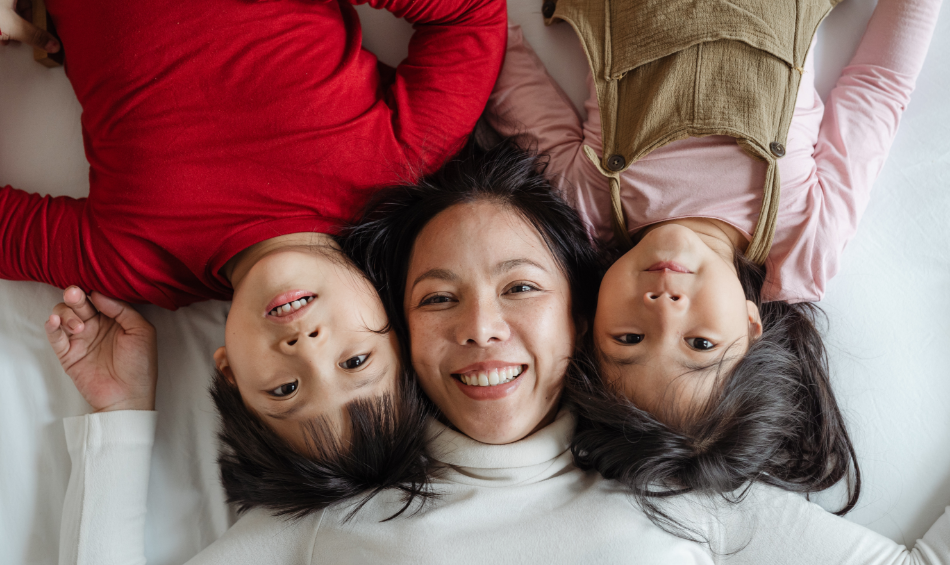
[669, 311]
[297, 365]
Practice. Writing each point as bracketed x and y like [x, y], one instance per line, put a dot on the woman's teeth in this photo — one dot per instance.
[285, 309]
[492, 377]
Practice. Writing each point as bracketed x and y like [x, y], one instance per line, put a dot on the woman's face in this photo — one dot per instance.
[300, 341]
[489, 313]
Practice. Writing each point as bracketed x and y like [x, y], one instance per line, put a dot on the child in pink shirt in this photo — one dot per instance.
[712, 373]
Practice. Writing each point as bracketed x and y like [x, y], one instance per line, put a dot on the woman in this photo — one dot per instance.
[226, 143]
[488, 306]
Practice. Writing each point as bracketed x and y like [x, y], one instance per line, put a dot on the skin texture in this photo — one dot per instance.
[654, 329]
[107, 349]
[483, 287]
[325, 357]
[15, 26]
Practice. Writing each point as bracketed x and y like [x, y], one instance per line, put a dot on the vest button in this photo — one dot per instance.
[777, 149]
[547, 9]
[616, 163]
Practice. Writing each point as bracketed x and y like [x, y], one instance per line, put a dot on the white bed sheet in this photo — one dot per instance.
[889, 312]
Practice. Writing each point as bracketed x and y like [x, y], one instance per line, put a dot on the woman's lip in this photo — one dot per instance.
[489, 392]
[669, 266]
[286, 297]
[486, 366]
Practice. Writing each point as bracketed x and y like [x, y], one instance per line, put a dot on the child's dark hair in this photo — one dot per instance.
[385, 449]
[381, 243]
[772, 419]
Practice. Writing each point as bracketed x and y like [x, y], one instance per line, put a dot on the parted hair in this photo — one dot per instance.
[772, 419]
[384, 449]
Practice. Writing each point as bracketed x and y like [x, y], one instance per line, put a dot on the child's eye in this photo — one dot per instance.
[521, 287]
[700, 343]
[284, 390]
[355, 361]
[629, 339]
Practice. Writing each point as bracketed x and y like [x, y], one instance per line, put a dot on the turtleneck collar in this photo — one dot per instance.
[534, 458]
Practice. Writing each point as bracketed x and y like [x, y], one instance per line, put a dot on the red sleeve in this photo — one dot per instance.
[42, 237]
[441, 88]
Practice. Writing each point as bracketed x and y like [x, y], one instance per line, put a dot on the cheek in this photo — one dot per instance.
[426, 343]
[549, 335]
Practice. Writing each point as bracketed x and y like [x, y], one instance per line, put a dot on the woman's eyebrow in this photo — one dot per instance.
[511, 264]
[439, 274]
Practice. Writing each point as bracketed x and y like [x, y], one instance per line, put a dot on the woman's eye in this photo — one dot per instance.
[437, 299]
[630, 339]
[284, 390]
[700, 343]
[521, 287]
[354, 362]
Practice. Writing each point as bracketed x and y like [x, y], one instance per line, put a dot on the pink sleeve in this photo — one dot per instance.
[860, 121]
[441, 88]
[528, 102]
[42, 239]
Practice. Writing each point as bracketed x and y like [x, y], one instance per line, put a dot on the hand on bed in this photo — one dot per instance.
[107, 349]
[13, 26]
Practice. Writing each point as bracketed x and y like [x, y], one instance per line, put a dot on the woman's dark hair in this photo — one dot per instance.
[382, 241]
[772, 418]
[385, 448]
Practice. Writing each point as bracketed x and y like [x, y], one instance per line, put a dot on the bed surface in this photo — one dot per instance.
[889, 312]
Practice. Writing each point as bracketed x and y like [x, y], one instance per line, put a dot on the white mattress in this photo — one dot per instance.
[889, 312]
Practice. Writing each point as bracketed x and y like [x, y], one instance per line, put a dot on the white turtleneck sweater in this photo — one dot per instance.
[519, 503]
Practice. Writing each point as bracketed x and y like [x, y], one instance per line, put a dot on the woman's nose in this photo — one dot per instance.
[482, 324]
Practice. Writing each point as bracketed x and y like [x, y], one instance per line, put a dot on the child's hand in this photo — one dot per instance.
[14, 28]
[110, 354]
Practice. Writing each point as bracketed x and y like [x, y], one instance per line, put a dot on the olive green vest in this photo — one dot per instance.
[670, 69]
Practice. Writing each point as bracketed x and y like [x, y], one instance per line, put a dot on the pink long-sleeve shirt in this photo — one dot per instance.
[834, 152]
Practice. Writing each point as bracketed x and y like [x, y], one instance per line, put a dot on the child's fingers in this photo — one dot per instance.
[14, 27]
[76, 299]
[57, 338]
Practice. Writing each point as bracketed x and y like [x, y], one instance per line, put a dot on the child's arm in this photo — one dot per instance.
[441, 88]
[782, 528]
[528, 102]
[860, 121]
[44, 239]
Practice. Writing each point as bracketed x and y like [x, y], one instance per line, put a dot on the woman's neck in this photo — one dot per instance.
[718, 235]
[239, 265]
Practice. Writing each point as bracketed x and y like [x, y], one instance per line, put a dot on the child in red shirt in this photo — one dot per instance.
[227, 142]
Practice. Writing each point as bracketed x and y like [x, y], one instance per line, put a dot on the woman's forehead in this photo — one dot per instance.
[482, 233]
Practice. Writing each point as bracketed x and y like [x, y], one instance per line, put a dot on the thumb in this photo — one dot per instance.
[18, 29]
[124, 314]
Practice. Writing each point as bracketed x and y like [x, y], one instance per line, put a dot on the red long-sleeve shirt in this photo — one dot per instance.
[211, 126]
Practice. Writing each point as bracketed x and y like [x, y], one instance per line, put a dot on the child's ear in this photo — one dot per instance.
[221, 362]
[755, 321]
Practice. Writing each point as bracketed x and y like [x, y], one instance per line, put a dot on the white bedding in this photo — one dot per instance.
[889, 311]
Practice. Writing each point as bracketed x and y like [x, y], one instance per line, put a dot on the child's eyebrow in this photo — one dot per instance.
[371, 378]
[284, 414]
[619, 361]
